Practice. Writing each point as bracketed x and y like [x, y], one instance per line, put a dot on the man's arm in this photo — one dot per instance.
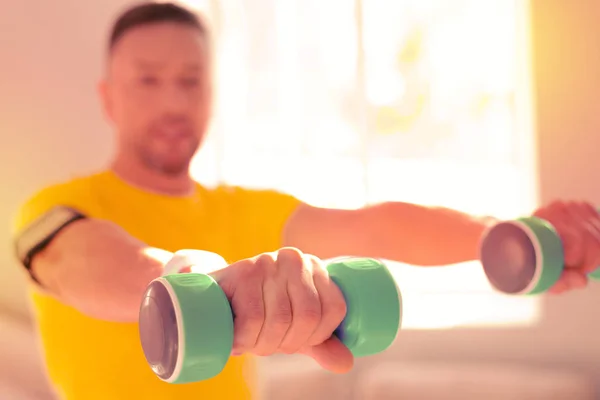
[403, 232]
[99, 269]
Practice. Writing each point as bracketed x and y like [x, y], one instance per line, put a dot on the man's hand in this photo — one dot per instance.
[285, 302]
[578, 225]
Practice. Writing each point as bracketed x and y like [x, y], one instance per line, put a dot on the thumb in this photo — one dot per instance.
[331, 355]
[573, 247]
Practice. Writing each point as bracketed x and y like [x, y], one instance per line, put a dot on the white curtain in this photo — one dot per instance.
[347, 103]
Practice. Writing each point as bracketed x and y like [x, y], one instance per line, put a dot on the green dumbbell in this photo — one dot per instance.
[186, 321]
[523, 256]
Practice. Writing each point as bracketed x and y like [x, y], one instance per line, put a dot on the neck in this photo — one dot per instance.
[144, 178]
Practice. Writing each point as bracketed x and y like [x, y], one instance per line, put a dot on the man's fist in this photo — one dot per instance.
[578, 226]
[285, 302]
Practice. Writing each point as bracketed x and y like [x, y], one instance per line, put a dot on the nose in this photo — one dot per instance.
[175, 100]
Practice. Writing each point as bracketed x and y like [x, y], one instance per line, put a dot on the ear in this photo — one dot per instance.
[104, 93]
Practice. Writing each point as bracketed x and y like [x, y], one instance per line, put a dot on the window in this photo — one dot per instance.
[411, 100]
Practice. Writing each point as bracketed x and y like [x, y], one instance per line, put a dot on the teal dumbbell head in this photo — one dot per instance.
[523, 256]
[186, 321]
[373, 303]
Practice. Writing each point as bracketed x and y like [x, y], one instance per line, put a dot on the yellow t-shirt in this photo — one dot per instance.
[89, 359]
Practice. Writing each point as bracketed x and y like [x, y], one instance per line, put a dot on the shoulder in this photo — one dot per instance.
[66, 192]
[75, 192]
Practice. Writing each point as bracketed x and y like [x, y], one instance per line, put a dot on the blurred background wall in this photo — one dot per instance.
[486, 106]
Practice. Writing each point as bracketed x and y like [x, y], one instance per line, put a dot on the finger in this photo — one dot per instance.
[575, 279]
[570, 279]
[591, 215]
[589, 225]
[247, 303]
[555, 208]
[594, 220]
[278, 310]
[333, 306]
[559, 287]
[561, 217]
[573, 228]
[331, 355]
[558, 216]
[306, 307]
[572, 239]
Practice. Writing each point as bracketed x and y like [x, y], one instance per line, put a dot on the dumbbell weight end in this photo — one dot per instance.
[523, 256]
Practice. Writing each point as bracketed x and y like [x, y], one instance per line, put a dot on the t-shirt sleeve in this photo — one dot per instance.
[261, 218]
[70, 194]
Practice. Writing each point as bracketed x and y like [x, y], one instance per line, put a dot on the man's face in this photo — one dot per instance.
[158, 95]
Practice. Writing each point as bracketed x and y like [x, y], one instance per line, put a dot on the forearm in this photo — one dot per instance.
[97, 268]
[403, 232]
[420, 235]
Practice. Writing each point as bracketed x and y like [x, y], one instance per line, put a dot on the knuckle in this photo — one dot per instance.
[264, 259]
[551, 210]
[290, 258]
[315, 263]
[312, 258]
[264, 262]
[291, 252]
[245, 268]
[558, 204]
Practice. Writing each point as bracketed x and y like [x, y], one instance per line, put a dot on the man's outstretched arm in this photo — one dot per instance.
[99, 269]
[403, 232]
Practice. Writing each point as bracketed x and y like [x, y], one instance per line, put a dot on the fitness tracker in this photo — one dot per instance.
[37, 235]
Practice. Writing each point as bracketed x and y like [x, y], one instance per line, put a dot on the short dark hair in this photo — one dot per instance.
[152, 13]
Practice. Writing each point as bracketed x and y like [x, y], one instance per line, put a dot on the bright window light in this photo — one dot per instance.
[346, 104]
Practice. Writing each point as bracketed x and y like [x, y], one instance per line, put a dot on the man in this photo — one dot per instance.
[91, 271]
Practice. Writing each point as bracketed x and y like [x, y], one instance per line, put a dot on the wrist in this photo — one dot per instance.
[488, 221]
[197, 261]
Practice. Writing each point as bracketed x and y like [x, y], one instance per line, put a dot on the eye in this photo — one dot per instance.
[190, 82]
[149, 80]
